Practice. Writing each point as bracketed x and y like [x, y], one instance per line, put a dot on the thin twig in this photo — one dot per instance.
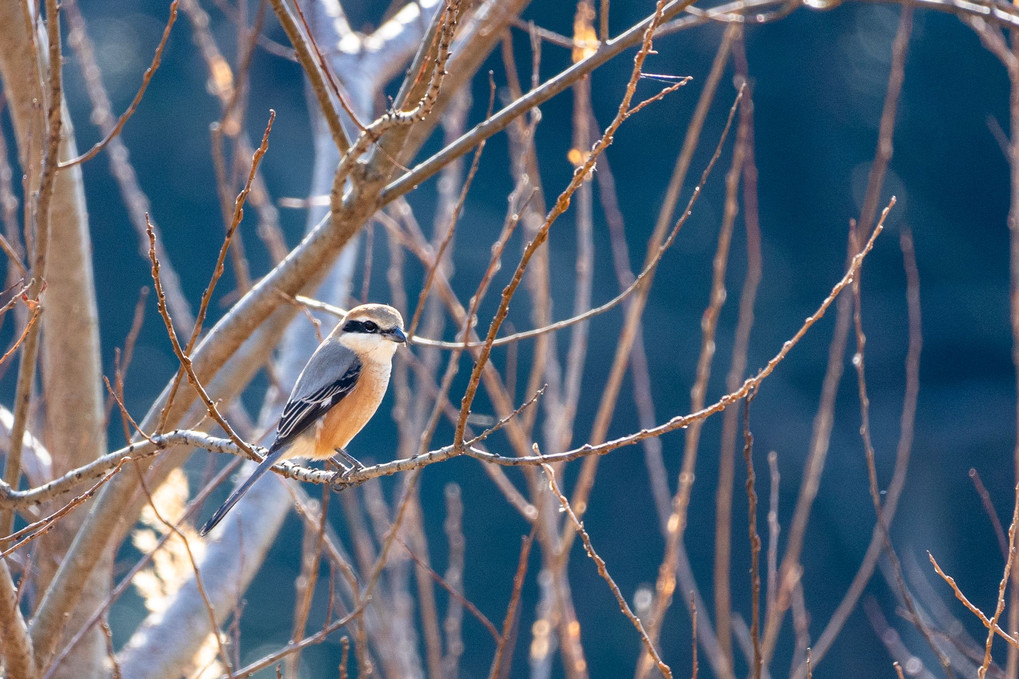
[562, 203]
[992, 515]
[126, 115]
[604, 573]
[171, 528]
[453, 593]
[9, 497]
[44, 525]
[185, 359]
[987, 622]
[893, 492]
[741, 342]
[315, 76]
[124, 357]
[661, 237]
[509, 622]
[1006, 576]
[36, 308]
[207, 294]
[295, 646]
[755, 542]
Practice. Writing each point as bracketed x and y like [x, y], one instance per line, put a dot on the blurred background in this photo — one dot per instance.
[818, 84]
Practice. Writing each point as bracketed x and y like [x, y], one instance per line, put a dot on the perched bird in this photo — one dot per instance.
[336, 394]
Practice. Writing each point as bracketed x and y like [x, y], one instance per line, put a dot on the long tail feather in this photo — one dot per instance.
[271, 458]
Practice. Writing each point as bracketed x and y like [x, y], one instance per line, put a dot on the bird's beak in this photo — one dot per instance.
[397, 335]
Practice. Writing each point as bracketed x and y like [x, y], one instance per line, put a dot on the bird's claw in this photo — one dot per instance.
[348, 465]
[347, 462]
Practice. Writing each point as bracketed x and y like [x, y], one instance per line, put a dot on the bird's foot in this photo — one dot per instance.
[347, 463]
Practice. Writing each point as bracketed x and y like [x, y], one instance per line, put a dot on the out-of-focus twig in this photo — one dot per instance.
[126, 115]
[604, 573]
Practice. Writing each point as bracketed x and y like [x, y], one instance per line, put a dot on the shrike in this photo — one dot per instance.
[336, 394]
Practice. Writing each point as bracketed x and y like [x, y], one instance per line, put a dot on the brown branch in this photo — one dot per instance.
[987, 622]
[562, 203]
[453, 592]
[315, 76]
[126, 115]
[659, 240]
[216, 274]
[19, 658]
[604, 573]
[42, 526]
[295, 646]
[171, 528]
[123, 359]
[1006, 576]
[741, 341]
[893, 492]
[634, 36]
[36, 308]
[755, 542]
[184, 358]
[509, 623]
[128, 420]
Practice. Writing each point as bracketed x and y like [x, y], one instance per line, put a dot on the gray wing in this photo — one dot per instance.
[330, 375]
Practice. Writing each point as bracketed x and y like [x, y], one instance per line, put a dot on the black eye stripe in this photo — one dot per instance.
[361, 326]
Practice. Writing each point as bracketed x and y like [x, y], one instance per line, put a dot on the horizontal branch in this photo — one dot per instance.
[746, 11]
[15, 498]
[100, 466]
[605, 52]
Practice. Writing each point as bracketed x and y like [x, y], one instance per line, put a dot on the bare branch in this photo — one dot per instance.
[604, 573]
[126, 115]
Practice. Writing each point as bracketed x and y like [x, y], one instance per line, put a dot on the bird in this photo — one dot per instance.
[335, 396]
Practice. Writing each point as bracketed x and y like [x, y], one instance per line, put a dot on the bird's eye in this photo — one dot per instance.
[370, 326]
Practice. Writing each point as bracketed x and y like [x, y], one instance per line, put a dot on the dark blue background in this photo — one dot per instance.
[818, 85]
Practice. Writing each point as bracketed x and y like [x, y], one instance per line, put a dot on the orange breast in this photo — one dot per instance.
[342, 423]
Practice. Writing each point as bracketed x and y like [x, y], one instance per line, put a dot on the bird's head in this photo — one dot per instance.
[373, 329]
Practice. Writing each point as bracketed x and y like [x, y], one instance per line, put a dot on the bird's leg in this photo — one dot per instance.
[347, 462]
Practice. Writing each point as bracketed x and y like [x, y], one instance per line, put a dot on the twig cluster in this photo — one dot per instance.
[510, 402]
